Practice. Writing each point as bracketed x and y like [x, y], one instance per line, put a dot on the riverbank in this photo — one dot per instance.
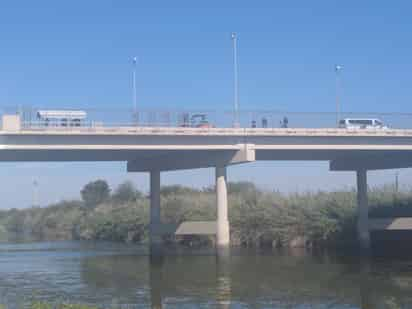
[257, 217]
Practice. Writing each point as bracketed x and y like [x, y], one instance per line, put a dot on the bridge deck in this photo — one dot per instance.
[209, 131]
[204, 146]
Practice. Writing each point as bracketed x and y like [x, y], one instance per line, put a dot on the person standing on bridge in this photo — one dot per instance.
[284, 122]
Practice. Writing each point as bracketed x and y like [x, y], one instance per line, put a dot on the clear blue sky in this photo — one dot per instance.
[58, 54]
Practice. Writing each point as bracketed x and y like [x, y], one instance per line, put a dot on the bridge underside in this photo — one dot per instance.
[175, 159]
[109, 155]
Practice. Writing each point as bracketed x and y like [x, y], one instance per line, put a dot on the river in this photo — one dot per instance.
[118, 275]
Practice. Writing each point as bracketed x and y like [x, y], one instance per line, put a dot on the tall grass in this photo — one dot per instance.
[46, 305]
[257, 217]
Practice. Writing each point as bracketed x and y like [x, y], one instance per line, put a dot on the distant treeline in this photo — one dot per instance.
[257, 217]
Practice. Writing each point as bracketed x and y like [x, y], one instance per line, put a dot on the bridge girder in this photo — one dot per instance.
[372, 162]
[180, 160]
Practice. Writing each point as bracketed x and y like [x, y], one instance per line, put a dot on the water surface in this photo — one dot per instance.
[110, 274]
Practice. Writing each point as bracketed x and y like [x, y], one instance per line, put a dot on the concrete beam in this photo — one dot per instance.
[196, 228]
[184, 228]
[393, 224]
[193, 159]
[371, 162]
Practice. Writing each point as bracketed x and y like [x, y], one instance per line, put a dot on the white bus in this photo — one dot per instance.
[61, 118]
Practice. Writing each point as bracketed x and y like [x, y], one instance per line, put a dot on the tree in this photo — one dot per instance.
[126, 192]
[95, 192]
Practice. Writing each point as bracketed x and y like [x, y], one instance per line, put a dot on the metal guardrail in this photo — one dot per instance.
[159, 130]
[219, 119]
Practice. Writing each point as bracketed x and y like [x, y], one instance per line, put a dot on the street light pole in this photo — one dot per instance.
[135, 118]
[235, 94]
[35, 202]
[397, 182]
[338, 68]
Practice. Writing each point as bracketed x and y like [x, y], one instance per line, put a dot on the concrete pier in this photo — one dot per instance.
[362, 197]
[155, 222]
[222, 228]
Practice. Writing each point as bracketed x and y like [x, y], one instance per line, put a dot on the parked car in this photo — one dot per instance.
[361, 123]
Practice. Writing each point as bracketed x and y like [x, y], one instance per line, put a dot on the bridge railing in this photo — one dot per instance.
[113, 117]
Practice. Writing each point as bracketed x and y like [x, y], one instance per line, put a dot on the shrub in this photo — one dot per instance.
[257, 217]
[126, 192]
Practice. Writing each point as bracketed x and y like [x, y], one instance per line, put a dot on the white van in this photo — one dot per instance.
[361, 123]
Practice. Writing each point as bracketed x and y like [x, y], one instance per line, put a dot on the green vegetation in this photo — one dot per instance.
[95, 193]
[257, 217]
[45, 305]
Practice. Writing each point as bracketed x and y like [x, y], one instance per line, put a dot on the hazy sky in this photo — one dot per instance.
[77, 54]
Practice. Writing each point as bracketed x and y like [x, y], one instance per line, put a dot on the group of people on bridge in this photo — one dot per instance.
[283, 123]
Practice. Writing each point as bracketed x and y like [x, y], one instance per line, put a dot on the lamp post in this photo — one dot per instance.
[338, 69]
[135, 117]
[397, 182]
[35, 202]
[235, 88]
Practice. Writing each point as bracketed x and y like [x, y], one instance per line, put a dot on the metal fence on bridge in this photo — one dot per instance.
[115, 117]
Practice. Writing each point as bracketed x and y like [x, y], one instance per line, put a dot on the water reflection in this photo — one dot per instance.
[157, 266]
[366, 299]
[111, 276]
[156, 280]
[223, 280]
[386, 283]
[249, 278]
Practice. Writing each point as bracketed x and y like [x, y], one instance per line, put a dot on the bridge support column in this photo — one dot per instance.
[155, 223]
[363, 224]
[222, 226]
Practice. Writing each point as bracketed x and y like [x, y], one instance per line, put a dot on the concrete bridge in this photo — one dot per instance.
[156, 149]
